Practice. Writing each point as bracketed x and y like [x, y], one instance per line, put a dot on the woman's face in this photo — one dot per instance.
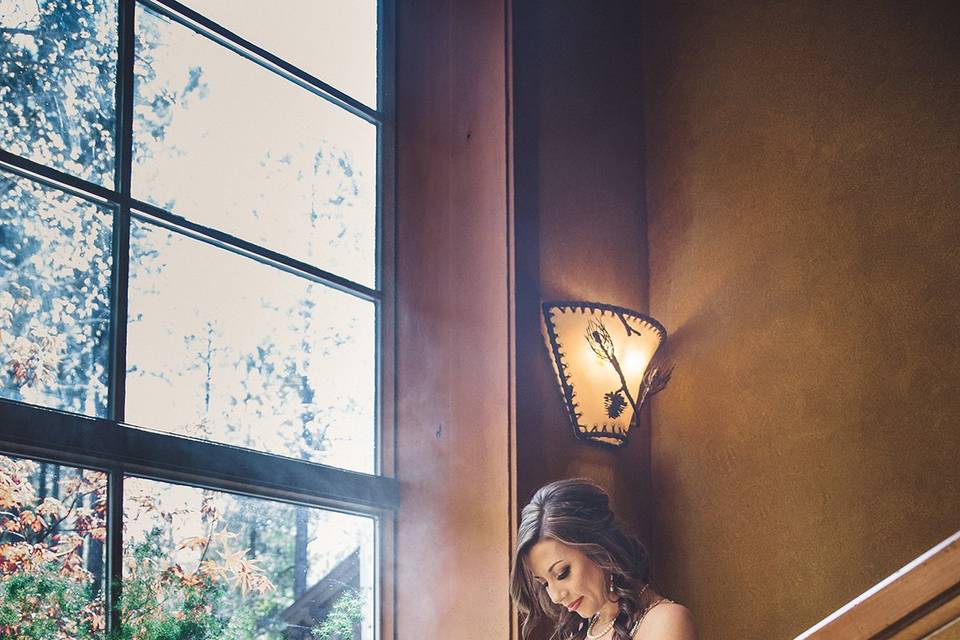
[571, 578]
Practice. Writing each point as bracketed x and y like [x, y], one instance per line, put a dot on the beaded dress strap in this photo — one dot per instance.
[645, 612]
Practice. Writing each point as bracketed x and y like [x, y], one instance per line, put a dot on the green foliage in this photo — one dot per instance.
[46, 604]
[346, 613]
[156, 604]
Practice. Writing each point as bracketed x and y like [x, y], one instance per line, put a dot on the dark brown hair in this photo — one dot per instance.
[577, 513]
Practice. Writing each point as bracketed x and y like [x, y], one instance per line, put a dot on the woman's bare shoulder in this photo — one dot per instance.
[667, 621]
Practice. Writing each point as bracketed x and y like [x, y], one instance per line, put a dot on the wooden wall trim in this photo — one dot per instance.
[914, 602]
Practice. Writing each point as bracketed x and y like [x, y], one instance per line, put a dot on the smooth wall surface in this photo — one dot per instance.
[579, 222]
[453, 413]
[803, 175]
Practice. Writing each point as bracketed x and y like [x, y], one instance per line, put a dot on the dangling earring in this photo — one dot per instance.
[611, 583]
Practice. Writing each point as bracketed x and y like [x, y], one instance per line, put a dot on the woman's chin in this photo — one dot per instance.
[584, 613]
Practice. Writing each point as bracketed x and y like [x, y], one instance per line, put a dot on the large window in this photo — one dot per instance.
[195, 318]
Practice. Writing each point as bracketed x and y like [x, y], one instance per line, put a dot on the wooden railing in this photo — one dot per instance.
[921, 600]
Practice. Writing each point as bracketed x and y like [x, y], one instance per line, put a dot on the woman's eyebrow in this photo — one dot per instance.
[536, 577]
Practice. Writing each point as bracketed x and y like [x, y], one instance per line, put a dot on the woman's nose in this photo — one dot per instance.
[556, 594]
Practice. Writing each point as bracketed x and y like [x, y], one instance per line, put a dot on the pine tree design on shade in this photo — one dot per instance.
[598, 337]
[615, 403]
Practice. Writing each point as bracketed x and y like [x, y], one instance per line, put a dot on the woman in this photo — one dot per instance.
[575, 565]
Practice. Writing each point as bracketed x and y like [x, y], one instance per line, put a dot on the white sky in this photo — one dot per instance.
[240, 155]
[251, 304]
[335, 40]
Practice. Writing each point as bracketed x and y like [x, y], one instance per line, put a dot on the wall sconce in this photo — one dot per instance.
[602, 356]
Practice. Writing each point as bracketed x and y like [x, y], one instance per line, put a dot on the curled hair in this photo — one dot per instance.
[577, 513]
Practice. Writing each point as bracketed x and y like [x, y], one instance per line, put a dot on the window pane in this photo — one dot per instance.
[333, 40]
[206, 564]
[225, 348]
[245, 151]
[58, 62]
[54, 297]
[52, 562]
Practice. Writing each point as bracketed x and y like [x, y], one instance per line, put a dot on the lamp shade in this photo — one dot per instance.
[602, 357]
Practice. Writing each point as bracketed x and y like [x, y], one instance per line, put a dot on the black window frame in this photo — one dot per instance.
[108, 444]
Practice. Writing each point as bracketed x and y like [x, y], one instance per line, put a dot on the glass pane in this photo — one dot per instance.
[209, 565]
[58, 63]
[224, 348]
[54, 297]
[52, 560]
[245, 151]
[333, 40]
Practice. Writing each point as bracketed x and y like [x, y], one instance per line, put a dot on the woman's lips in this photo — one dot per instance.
[576, 603]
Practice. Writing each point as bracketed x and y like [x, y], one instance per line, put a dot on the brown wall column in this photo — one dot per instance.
[453, 434]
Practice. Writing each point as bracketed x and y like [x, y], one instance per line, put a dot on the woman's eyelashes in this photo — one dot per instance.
[560, 576]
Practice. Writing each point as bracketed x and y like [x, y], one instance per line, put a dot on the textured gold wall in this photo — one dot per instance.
[803, 180]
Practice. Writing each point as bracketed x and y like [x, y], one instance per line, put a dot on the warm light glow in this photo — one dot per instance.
[601, 355]
[635, 361]
[590, 359]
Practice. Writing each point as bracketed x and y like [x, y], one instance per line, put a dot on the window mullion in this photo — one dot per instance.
[125, 64]
[121, 227]
[118, 315]
[114, 549]
[103, 444]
